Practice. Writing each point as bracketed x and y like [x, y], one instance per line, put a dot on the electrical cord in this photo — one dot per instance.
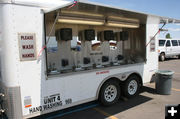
[49, 35]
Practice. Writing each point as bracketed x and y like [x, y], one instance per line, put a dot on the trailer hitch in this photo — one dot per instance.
[2, 110]
[1, 95]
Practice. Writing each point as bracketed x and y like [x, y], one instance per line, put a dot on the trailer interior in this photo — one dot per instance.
[88, 37]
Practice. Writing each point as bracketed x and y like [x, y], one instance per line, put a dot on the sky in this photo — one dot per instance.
[168, 8]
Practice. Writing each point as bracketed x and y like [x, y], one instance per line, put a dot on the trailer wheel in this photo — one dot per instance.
[179, 56]
[162, 57]
[109, 93]
[132, 86]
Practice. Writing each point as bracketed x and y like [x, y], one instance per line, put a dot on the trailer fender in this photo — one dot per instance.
[119, 77]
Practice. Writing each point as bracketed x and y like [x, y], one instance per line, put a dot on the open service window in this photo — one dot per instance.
[87, 40]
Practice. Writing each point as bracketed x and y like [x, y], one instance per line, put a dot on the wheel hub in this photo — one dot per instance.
[110, 93]
[132, 87]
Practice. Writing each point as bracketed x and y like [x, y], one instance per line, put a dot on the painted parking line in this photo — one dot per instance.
[177, 73]
[105, 113]
[174, 89]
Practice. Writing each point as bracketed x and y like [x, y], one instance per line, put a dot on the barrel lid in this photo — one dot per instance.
[165, 72]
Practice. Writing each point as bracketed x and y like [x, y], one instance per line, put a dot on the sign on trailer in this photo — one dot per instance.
[27, 46]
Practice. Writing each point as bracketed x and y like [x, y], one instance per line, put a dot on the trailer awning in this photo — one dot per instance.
[96, 8]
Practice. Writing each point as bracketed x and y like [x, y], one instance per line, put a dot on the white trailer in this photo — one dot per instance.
[85, 65]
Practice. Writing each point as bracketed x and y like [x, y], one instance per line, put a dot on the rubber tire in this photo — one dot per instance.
[179, 56]
[162, 57]
[101, 95]
[125, 86]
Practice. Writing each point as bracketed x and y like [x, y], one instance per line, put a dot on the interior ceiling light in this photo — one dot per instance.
[122, 24]
[116, 21]
[81, 13]
[78, 20]
[85, 18]
[123, 19]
